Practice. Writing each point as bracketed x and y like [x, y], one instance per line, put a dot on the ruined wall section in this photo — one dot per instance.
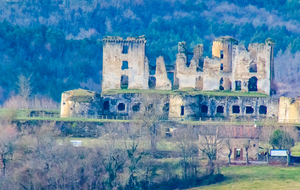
[258, 57]
[114, 57]
[185, 74]
[222, 48]
[162, 81]
[289, 110]
[65, 105]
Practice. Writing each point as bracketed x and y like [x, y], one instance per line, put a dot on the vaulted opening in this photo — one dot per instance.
[136, 107]
[220, 109]
[106, 105]
[263, 109]
[253, 68]
[249, 110]
[238, 85]
[124, 65]
[204, 109]
[124, 82]
[125, 49]
[235, 109]
[252, 84]
[121, 107]
[152, 82]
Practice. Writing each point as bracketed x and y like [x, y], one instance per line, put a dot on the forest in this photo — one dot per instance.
[57, 44]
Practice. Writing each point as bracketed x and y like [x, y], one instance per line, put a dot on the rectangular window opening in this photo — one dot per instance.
[238, 85]
[221, 54]
[125, 49]
[182, 111]
[124, 65]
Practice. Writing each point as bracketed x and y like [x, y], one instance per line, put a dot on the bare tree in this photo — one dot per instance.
[210, 143]
[246, 145]
[24, 86]
[151, 115]
[229, 146]
[8, 137]
[186, 140]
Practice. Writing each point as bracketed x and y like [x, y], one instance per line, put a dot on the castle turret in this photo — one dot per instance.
[222, 48]
[124, 63]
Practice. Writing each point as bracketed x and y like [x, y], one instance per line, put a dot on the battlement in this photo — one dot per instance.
[139, 39]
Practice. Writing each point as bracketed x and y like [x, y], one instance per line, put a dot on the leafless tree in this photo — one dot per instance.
[229, 146]
[24, 86]
[210, 143]
[151, 115]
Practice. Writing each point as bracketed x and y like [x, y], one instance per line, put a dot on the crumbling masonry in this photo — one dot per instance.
[232, 68]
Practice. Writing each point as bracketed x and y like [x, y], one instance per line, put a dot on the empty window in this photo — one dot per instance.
[121, 107]
[221, 67]
[106, 105]
[235, 109]
[238, 85]
[221, 54]
[125, 49]
[136, 107]
[124, 82]
[204, 109]
[253, 68]
[262, 109]
[166, 107]
[221, 84]
[220, 109]
[182, 110]
[252, 84]
[249, 110]
[124, 65]
[152, 82]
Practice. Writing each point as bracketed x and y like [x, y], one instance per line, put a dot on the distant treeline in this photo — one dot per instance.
[58, 43]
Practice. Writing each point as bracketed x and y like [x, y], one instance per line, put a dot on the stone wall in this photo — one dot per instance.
[162, 81]
[196, 106]
[289, 110]
[124, 58]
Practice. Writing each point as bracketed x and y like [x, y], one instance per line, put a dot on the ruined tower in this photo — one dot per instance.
[124, 63]
[222, 48]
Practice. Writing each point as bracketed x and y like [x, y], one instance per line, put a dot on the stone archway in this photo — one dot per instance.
[252, 84]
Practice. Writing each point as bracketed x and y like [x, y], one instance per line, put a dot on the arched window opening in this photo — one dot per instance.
[152, 82]
[136, 107]
[235, 109]
[249, 110]
[204, 109]
[253, 68]
[121, 107]
[220, 109]
[221, 67]
[124, 82]
[263, 109]
[252, 84]
[106, 105]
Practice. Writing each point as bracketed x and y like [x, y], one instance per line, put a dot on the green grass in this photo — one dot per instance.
[187, 91]
[257, 177]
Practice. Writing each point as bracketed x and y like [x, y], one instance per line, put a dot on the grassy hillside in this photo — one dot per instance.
[257, 177]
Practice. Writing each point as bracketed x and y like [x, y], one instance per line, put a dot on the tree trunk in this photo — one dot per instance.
[3, 162]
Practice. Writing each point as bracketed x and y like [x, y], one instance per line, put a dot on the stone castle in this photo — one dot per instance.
[235, 82]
